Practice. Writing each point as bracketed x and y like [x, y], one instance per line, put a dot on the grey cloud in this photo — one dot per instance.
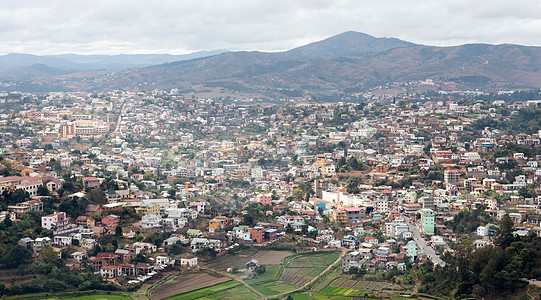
[122, 26]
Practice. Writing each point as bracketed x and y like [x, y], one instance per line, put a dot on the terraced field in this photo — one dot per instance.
[185, 284]
[302, 268]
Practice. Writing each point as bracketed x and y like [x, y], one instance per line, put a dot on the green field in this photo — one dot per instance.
[272, 273]
[211, 292]
[310, 296]
[336, 291]
[274, 288]
[95, 297]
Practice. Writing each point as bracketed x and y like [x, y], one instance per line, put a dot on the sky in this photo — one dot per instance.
[183, 26]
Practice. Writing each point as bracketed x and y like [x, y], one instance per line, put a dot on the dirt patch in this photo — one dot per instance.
[184, 284]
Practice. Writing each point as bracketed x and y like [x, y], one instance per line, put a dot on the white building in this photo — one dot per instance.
[151, 221]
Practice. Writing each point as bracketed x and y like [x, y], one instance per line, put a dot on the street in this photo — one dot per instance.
[429, 251]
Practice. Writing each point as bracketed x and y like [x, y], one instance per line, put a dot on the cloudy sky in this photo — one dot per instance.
[183, 26]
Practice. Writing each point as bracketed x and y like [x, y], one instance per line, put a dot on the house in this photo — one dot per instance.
[170, 241]
[62, 241]
[219, 222]
[242, 233]
[258, 234]
[264, 199]
[188, 262]
[110, 220]
[112, 207]
[40, 244]
[199, 243]
[350, 242]
[111, 271]
[91, 182]
[411, 250]
[151, 221]
[85, 221]
[480, 243]
[93, 210]
[252, 265]
[382, 254]
[162, 260]
[192, 232]
[352, 259]
[79, 256]
[58, 221]
[98, 231]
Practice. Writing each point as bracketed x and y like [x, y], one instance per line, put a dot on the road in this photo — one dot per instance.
[429, 251]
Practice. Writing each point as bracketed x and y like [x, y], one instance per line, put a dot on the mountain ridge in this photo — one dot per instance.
[320, 68]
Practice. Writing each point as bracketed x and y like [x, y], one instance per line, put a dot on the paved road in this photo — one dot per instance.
[429, 251]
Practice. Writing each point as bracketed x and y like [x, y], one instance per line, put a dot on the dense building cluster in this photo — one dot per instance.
[131, 183]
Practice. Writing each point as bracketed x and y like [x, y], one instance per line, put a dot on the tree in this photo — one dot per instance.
[260, 270]
[96, 196]
[115, 244]
[118, 231]
[48, 255]
[7, 221]
[43, 190]
[505, 235]
[15, 256]
[139, 258]
[298, 193]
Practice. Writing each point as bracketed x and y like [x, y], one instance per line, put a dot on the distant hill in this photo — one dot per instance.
[123, 61]
[350, 62]
[35, 70]
[11, 64]
[349, 43]
[15, 60]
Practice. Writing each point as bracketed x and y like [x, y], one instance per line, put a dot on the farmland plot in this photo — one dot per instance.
[184, 284]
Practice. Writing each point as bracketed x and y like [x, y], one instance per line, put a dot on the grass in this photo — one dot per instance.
[239, 292]
[206, 292]
[274, 288]
[310, 296]
[96, 297]
[336, 291]
[272, 273]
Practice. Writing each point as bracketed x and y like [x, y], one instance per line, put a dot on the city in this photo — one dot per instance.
[164, 193]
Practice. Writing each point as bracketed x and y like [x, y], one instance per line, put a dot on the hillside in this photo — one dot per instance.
[350, 62]
[349, 43]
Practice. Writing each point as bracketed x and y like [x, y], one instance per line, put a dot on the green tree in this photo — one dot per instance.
[505, 235]
[118, 231]
[43, 190]
[48, 255]
[14, 256]
[298, 193]
[96, 196]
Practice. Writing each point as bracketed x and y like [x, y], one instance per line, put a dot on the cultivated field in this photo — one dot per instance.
[238, 261]
[230, 290]
[344, 282]
[184, 284]
[302, 268]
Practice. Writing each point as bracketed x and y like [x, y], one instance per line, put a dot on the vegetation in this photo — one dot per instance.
[492, 271]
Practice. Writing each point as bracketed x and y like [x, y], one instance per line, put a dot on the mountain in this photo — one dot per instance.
[35, 70]
[123, 61]
[349, 43]
[343, 64]
[15, 66]
[15, 60]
